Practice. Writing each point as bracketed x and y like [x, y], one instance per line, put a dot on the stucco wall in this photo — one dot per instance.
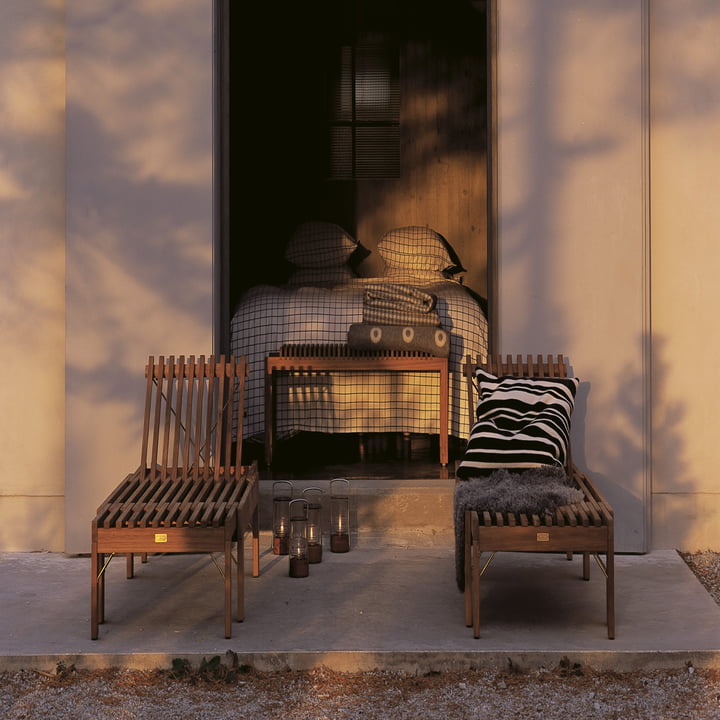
[32, 274]
[135, 192]
[139, 224]
[572, 217]
[685, 43]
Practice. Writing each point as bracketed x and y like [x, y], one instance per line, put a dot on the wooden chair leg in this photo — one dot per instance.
[256, 542]
[101, 589]
[586, 566]
[130, 566]
[94, 596]
[476, 588]
[610, 590]
[228, 587]
[467, 571]
[240, 577]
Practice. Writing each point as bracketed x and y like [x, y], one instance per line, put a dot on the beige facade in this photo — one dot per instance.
[607, 133]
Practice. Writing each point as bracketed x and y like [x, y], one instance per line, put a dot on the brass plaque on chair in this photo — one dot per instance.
[543, 537]
[160, 537]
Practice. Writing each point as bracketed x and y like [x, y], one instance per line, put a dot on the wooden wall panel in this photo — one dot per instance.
[443, 159]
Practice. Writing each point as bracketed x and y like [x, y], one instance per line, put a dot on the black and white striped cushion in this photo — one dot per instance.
[521, 423]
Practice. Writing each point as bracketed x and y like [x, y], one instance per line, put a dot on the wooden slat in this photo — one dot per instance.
[592, 513]
[169, 403]
[178, 415]
[197, 422]
[149, 384]
[159, 373]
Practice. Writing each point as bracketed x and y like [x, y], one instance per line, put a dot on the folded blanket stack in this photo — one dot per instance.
[399, 317]
[391, 304]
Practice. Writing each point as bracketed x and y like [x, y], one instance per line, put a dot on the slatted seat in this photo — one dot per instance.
[585, 527]
[188, 495]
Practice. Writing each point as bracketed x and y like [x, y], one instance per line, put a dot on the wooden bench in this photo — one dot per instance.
[188, 495]
[586, 527]
[339, 358]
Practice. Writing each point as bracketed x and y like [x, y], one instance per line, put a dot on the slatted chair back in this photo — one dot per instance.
[191, 412]
[538, 366]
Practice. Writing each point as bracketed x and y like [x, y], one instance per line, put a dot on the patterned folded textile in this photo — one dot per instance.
[424, 338]
[392, 304]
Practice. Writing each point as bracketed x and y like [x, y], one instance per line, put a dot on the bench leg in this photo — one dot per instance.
[444, 415]
[101, 589]
[97, 590]
[240, 577]
[256, 541]
[228, 587]
[269, 415]
[94, 596]
[610, 590]
[476, 589]
[468, 571]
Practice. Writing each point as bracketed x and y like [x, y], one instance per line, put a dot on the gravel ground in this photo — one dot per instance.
[219, 689]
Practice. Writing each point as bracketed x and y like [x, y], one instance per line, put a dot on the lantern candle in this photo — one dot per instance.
[314, 528]
[298, 551]
[282, 495]
[339, 515]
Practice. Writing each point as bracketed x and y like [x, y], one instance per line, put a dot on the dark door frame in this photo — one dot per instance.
[221, 176]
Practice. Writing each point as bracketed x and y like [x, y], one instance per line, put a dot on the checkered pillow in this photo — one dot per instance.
[418, 249]
[320, 245]
[521, 423]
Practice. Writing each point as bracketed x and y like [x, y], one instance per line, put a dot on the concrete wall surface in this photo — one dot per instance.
[572, 236]
[32, 274]
[139, 224]
[685, 134]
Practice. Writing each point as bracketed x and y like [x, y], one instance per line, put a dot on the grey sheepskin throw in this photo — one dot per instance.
[538, 491]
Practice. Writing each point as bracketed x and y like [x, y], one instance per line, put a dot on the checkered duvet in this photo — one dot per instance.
[268, 317]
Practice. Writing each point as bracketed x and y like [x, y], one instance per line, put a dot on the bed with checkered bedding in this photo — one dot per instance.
[269, 317]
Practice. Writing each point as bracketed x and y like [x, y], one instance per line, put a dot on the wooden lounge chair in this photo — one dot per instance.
[189, 494]
[585, 527]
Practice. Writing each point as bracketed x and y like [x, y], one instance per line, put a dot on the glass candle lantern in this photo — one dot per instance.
[339, 515]
[298, 550]
[315, 535]
[282, 495]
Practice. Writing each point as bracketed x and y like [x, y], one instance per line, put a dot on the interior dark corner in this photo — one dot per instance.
[428, 160]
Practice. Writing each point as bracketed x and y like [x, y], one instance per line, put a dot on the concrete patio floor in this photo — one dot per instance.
[380, 606]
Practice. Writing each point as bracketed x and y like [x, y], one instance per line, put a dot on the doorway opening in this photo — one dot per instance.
[372, 114]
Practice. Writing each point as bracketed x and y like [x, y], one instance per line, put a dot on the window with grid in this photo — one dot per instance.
[365, 110]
